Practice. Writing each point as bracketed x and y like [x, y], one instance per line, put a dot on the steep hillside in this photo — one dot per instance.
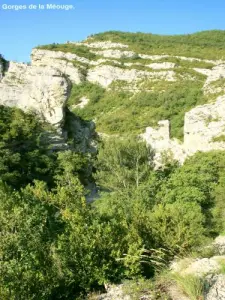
[205, 44]
[127, 82]
[151, 99]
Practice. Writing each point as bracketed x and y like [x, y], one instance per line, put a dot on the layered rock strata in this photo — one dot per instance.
[41, 89]
[204, 130]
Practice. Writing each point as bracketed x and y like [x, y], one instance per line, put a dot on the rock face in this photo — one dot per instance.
[198, 267]
[105, 75]
[83, 102]
[219, 244]
[203, 125]
[159, 140]
[40, 89]
[98, 71]
[61, 61]
[102, 45]
[217, 288]
[216, 73]
[111, 53]
[45, 87]
[204, 130]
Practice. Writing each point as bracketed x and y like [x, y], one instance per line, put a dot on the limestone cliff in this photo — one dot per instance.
[40, 89]
[45, 86]
[204, 130]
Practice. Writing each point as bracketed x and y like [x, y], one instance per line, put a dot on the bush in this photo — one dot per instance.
[178, 227]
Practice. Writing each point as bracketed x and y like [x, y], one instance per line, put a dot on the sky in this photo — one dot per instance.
[22, 30]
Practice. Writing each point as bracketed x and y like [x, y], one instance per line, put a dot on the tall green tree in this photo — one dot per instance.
[123, 163]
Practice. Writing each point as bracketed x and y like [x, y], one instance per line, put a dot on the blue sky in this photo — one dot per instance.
[20, 31]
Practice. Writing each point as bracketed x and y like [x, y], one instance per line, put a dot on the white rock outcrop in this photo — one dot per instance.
[83, 102]
[219, 244]
[216, 288]
[101, 45]
[159, 139]
[61, 61]
[163, 65]
[40, 89]
[112, 53]
[105, 75]
[198, 267]
[44, 87]
[202, 125]
[99, 71]
[217, 73]
[42, 56]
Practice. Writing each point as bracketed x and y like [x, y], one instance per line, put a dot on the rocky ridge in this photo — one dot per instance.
[45, 88]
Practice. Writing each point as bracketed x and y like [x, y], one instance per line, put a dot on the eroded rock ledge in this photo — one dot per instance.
[204, 130]
[41, 89]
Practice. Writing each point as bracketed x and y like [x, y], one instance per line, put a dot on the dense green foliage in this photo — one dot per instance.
[125, 163]
[23, 155]
[25, 150]
[116, 111]
[206, 44]
[55, 245]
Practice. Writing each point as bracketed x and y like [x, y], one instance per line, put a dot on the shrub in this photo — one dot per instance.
[178, 226]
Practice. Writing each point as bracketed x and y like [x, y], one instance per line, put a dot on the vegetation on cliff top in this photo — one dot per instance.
[79, 50]
[205, 44]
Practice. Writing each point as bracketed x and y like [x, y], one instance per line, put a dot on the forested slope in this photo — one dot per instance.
[57, 245]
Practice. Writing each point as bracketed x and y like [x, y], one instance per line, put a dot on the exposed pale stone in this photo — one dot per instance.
[41, 89]
[198, 267]
[219, 244]
[201, 125]
[105, 75]
[47, 57]
[66, 67]
[159, 139]
[216, 73]
[83, 102]
[217, 288]
[115, 53]
[102, 45]
[44, 55]
[191, 59]
[163, 65]
[41, 84]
